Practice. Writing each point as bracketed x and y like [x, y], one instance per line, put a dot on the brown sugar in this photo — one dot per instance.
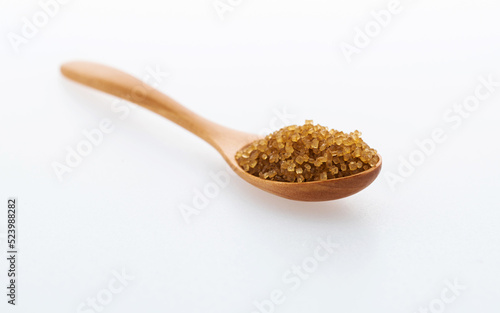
[307, 153]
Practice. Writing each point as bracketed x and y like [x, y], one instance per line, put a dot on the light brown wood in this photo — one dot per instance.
[225, 140]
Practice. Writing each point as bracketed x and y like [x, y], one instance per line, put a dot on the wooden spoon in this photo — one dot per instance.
[225, 140]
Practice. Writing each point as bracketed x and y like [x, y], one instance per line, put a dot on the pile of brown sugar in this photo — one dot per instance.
[307, 153]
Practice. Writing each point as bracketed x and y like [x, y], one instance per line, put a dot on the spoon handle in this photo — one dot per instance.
[125, 86]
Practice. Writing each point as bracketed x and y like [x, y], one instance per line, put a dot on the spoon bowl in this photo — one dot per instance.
[225, 140]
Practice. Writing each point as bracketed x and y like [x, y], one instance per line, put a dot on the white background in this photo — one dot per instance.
[119, 209]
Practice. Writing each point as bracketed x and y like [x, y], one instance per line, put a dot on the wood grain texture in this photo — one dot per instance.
[225, 140]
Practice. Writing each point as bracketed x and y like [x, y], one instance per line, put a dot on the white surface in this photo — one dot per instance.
[120, 207]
